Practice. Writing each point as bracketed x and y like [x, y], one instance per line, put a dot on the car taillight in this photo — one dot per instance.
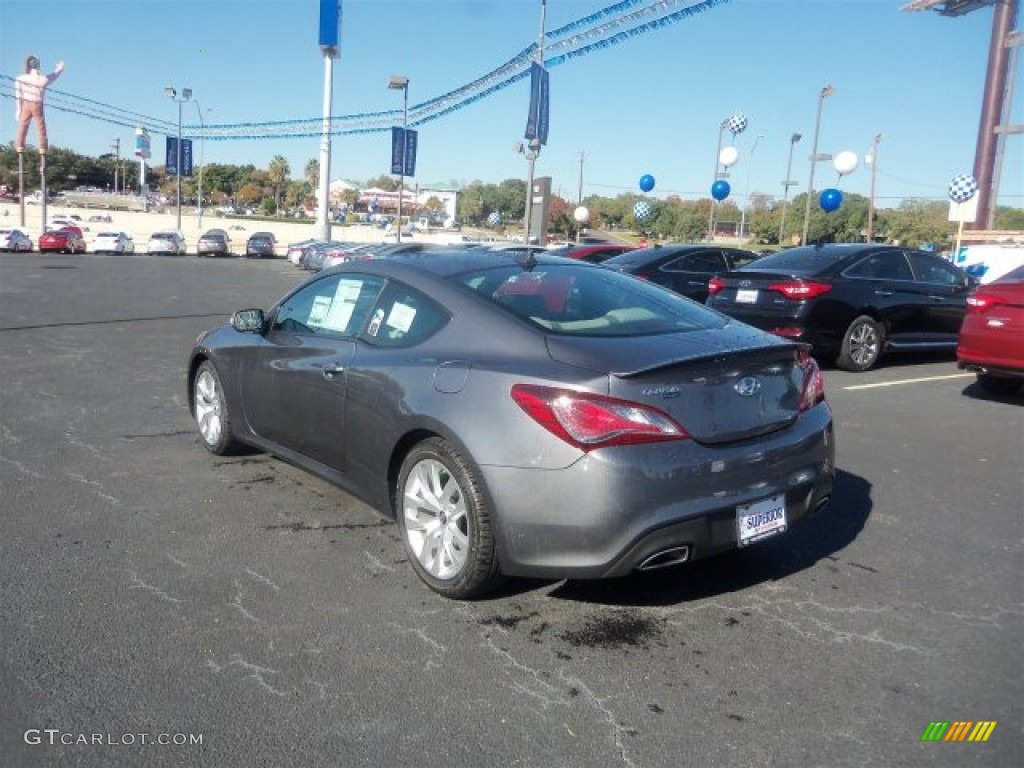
[715, 285]
[979, 301]
[813, 391]
[590, 421]
[800, 289]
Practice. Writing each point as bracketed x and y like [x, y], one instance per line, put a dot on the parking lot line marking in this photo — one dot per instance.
[909, 381]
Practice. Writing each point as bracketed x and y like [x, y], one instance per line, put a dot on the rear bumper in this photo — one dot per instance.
[615, 509]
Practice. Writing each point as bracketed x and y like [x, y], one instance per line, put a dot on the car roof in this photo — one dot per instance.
[444, 263]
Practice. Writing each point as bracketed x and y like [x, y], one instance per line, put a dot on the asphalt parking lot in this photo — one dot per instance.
[149, 589]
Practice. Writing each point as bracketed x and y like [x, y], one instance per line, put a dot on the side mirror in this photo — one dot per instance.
[249, 321]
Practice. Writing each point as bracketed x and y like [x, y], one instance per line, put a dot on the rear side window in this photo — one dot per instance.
[577, 300]
[402, 316]
[889, 265]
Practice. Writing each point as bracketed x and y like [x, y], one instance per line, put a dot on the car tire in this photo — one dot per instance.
[999, 385]
[210, 410]
[445, 521]
[862, 345]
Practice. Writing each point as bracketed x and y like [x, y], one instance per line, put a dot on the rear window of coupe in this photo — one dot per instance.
[576, 301]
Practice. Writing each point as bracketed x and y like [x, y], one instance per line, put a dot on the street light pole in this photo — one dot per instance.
[787, 183]
[718, 152]
[746, 192]
[399, 83]
[186, 94]
[202, 144]
[870, 235]
[825, 93]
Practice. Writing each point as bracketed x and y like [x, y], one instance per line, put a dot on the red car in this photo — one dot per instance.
[592, 252]
[64, 240]
[991, 339]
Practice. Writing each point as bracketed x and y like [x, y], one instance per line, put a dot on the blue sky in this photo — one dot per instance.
[652, 104]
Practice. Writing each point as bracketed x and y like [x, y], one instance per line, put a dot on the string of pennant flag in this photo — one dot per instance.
[611, 26]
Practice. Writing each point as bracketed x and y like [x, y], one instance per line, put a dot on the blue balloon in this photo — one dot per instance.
[646, 182]
[830, 200]
[720, 190]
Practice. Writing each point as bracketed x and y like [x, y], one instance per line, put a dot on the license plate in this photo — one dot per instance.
[746, 296]
[760, 520]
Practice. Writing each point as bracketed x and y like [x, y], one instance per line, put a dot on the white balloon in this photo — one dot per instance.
[581, 214]
[845, 162]
[728, 156]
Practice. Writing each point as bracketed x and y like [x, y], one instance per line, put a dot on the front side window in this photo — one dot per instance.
[704, 262]
[932, 269]
[337, 306]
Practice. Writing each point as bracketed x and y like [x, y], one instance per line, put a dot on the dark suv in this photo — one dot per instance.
[852, 301]
[686, 269]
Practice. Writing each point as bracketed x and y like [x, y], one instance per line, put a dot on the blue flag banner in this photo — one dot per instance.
[537, 119]
[403, 152]
[172, 156]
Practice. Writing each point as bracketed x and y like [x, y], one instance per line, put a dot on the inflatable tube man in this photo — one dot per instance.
[29, 90]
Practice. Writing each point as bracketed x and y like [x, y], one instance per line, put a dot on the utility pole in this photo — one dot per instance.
[117, 160]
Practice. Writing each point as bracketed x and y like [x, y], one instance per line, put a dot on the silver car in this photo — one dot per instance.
[166, 242]
[523, 415]
[15, 239]
[113, 242]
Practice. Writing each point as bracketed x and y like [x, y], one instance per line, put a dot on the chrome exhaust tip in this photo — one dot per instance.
[822, 505]
[665, 558]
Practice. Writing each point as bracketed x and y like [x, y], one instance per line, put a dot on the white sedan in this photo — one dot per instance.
[113, 242]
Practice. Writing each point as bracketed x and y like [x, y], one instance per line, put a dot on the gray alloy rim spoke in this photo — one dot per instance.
[208, 407]
[863, 343]
[435, 519]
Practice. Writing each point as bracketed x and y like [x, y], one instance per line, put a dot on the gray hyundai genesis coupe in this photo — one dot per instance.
[523, 415]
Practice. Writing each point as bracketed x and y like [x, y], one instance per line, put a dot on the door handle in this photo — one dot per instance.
[883, 293]
[701, 283]
[331, 371]
[937, 298]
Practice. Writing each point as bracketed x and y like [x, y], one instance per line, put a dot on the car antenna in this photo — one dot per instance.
[529, 262]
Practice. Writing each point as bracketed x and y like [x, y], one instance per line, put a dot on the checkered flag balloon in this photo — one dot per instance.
[737, 123]
[642, 210]
[962, 188]
[494, 219]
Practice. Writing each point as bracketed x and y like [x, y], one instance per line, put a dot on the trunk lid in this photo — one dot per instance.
[720, 387]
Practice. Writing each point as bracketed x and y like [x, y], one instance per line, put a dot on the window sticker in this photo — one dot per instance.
[317, 313]
[378, 318]
[401, 317]
[344, 304]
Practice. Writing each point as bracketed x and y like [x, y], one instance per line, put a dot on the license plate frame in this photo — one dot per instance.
[761, 519]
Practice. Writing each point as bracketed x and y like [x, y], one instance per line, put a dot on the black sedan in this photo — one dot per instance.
[852, 301]
[685, 269]
[524, 415]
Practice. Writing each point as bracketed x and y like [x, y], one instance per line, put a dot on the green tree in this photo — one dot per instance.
[386, 183]
[278, 173]
[1009, 218]
[312, 174]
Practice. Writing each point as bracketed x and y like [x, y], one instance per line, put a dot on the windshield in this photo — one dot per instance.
[578, 301]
